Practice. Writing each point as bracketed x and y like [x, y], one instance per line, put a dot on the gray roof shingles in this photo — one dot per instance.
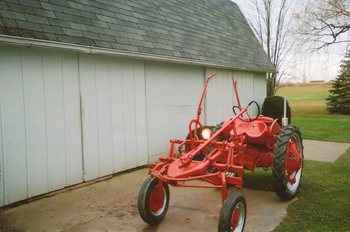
[203, 31]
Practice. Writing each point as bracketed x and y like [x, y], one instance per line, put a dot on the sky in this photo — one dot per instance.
[305, 65]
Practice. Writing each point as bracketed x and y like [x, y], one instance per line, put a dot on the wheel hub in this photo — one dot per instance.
[235, 219]
[293, 164]
[238, 218]
[157, 199]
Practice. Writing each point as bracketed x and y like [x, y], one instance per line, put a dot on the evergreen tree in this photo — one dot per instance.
[338, 100]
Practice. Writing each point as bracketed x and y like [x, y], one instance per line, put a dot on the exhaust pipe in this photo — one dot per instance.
[285, 119]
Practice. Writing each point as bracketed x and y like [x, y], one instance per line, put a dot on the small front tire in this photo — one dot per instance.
[233, 214]
[153, 200]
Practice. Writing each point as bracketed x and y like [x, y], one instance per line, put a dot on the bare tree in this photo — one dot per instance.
[270, 20]
[325, 22]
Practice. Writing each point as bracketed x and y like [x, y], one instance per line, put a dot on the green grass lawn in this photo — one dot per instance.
[325, 127]
[323, 203]
[324, 200]
[309, 113]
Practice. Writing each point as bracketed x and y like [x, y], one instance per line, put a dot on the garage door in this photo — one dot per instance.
[39, 122]
[114, 115]
[172, 95]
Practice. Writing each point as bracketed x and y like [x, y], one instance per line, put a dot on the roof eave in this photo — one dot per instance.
[30, 42]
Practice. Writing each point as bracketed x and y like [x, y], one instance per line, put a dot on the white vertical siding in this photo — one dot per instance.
[62, 120]
[220, 93]
[36, 118]
[172, 95]
[219, 100]
[260, 88]
[54, 110]
[13, 126]
[245, 83]
[114, 120]
[72, 119]
[87, 69]
[104, 96]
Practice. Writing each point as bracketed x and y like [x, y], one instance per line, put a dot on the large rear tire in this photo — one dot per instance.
[153, 200]
[233, 213]
[288, 163]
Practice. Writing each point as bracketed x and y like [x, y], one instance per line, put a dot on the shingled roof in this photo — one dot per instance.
[204, 31]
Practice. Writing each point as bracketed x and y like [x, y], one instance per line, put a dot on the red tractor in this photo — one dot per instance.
[217, 157]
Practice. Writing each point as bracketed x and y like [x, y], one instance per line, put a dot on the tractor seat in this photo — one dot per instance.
[254, 129]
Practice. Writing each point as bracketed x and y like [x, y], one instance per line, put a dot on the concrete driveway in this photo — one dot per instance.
[324, 151]
[110, 205]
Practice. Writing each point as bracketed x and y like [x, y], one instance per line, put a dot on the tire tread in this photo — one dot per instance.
[278, 166]
[226, 211]
[142, 203]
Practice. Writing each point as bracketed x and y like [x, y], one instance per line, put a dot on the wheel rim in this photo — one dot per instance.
[238, 217]
[157, 200]
[293, 164]
[293, 187]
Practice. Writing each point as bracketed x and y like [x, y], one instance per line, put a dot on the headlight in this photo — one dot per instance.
[206, 133]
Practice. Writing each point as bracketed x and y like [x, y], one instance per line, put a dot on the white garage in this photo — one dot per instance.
[84, 96]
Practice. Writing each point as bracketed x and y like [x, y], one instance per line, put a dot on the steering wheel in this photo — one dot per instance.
[247, 118]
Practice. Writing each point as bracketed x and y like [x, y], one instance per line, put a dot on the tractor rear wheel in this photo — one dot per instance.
[233, 213]
[153, 200]
[288, 163]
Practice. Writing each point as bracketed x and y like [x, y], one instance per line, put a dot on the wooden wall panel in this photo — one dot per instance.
[40, 122]
[172, 95]
[13, 126]
[114, 120]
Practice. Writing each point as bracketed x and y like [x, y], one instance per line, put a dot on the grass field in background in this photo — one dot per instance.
[309, 113]
[306, 99]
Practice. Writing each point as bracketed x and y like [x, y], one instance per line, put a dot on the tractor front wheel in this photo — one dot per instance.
[153, 200]
[288, 163]
[233, 213]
